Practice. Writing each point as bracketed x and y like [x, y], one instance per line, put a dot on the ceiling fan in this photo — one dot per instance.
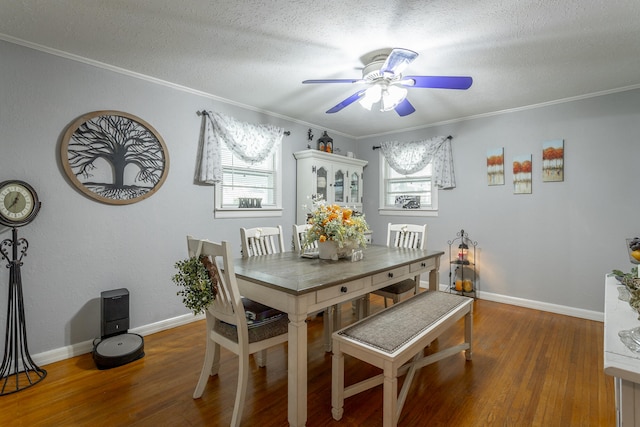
[387, 86]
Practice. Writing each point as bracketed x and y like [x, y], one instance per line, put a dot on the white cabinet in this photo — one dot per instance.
[337, 179]
[620, 362]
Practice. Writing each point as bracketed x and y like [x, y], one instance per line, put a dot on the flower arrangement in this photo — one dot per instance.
[198, 279]
[336, 223]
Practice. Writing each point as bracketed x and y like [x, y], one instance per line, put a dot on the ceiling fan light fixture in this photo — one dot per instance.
[371, 96]
[392, 96]
[388, 96]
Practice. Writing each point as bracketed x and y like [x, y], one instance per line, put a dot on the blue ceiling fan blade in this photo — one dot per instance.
[334, 81]
[404, 108]
[398, 60]
[350, 100]
[437, 82]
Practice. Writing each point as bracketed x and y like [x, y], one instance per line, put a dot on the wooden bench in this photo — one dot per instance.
[389, 340]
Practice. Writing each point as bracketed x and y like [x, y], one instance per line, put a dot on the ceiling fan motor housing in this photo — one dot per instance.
[371, 71]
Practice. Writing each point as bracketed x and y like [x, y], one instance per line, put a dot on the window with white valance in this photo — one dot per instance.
[243, 161]
[411, 174]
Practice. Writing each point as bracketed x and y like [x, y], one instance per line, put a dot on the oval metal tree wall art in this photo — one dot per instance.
[114, 157]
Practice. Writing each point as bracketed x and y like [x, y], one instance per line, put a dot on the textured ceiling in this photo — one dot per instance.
[257, 52]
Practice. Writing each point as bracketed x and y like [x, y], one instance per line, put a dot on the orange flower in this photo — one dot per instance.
[323, 238]
[346, 214]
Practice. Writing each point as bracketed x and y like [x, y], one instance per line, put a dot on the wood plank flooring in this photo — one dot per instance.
[529, 368]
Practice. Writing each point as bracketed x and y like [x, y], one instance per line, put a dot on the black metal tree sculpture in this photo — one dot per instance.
[18, 206]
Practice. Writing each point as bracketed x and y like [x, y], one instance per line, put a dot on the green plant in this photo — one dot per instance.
[621, 274]
[198, 289]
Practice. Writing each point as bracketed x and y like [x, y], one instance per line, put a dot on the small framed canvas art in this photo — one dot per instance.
[522, 174]
[553, 161]
[495, 166]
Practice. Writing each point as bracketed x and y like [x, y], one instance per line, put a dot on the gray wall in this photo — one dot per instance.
[79, 247]
[552, 246]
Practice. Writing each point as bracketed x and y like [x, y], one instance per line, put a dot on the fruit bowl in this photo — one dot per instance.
[633, 246]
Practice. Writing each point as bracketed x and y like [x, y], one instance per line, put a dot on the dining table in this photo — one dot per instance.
[300, 286]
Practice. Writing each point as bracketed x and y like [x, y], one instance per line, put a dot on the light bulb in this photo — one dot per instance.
[392, 96]
[371, 96]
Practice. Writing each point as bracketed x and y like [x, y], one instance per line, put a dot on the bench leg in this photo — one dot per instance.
[389, 399]
[468, 333]
[337, 382]
[261, 358]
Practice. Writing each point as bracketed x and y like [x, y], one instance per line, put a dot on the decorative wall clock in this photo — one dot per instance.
[19, 203]
[114, 157]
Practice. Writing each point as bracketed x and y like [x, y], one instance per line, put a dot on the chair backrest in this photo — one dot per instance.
[227, 305]
[410, 236]
[261, 241]
[299, 235]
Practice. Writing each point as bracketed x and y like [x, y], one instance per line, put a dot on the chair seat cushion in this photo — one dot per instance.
[400, 287]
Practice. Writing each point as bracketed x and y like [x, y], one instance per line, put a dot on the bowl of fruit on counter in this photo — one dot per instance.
[633, 245]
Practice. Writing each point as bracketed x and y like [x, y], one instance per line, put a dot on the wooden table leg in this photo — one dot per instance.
[433, 280]
[434, 277]
[297, 381]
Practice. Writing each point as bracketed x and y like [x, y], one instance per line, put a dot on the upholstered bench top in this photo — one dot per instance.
[391, 328]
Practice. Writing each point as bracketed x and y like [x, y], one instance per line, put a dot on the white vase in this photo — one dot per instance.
[331, 250]
[328, 249]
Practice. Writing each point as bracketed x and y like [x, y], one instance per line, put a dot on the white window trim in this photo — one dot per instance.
[384, 210]
[246, 213]
[220, 212]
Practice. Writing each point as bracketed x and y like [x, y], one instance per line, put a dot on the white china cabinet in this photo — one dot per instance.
[336, 179]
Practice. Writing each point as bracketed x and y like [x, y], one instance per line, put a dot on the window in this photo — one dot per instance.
[250, 182]
[408, 195]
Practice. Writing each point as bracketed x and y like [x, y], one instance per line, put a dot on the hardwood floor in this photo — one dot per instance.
[529, 368]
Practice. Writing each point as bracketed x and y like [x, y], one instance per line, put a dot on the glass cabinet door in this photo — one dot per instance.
[321, 183]
[355, 188]
[338, 187]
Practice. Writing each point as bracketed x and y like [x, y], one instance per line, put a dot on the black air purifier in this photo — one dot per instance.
[116, 346]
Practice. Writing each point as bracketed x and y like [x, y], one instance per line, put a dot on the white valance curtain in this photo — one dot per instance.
[412, 156]
[250, 142]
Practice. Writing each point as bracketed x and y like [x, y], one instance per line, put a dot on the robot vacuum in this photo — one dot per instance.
[116, 346]
[117, 350]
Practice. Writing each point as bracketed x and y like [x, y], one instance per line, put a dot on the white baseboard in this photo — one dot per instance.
[77, 349]
[537, 305]
[87, 346]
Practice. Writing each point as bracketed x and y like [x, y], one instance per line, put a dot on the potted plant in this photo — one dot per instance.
[197, 277]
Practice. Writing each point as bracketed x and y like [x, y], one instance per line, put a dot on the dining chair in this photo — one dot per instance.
[299, 235]
[409, 236]
[261, 241]
[227, 324]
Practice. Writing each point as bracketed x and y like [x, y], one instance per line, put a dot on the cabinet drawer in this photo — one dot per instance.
[426, 265]
[338, 291]
[390, 276]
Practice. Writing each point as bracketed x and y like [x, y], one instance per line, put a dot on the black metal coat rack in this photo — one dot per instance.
[18, 370]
